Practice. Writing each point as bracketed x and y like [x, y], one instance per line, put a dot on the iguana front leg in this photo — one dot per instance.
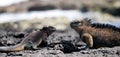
[31, 45]
[88, 39]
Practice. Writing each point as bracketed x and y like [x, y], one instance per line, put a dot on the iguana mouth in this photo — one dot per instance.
[52, 28]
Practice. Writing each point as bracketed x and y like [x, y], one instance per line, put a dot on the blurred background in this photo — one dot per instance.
[26, 15]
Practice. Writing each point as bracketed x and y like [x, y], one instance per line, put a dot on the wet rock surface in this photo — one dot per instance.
[60, 44]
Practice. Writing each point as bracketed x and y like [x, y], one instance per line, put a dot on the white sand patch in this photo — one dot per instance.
[10, 2]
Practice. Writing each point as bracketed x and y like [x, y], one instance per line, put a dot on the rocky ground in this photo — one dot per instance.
[60, 44]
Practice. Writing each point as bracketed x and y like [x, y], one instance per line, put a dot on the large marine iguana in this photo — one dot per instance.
[31, 41]
[97, 35]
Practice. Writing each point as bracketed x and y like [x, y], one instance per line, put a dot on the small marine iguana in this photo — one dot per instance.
[31, 41]
[95, 34]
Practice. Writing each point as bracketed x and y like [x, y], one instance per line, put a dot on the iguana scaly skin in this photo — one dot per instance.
[97, 35]
[31, 41]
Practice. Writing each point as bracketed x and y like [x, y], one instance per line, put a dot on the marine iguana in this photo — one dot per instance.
[97, 35]
[31, 41]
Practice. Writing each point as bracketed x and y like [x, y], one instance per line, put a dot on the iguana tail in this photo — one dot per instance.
[18, 47]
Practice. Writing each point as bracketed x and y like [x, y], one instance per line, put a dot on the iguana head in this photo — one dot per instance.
[84, 22]
[49, 30]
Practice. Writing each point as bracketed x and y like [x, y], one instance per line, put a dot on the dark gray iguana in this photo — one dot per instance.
[31, 41]
[97, 35]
